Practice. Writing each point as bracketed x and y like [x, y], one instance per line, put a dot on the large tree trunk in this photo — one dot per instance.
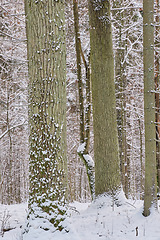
[150, 198]
[157, 105]
[107, 176]
[47, 102]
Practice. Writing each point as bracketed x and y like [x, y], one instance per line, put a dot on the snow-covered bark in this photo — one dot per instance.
[47, 110]
[89, 164]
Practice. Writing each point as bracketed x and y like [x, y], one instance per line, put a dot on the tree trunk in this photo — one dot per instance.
[120, 80]
[150, 198]
[79, 74]
[107, 176]
[157, 28]
[47, 108]
[84, 118]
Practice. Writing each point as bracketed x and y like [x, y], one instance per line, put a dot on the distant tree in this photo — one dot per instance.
[128, 49]
[77, 177]
[85, 113]
[150, 196]
[120, 83]
[79, 74]
[107, 174]
[47, 110]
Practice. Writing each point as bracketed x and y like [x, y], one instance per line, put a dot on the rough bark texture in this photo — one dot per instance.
[157, 105]
[149, 107]
[47, 101]
[107, 177]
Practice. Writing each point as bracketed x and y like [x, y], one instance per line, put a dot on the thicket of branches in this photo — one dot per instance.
[13, 104]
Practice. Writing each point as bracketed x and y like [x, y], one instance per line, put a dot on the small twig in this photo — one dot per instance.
[131, 204]
[74, 209]
[5, 218]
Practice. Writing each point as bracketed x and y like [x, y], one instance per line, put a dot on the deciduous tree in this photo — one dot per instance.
[150, 198]
[47, 107]
[107, 176]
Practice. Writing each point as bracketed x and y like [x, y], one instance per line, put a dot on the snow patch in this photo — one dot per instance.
[89, 160]
[81, 148]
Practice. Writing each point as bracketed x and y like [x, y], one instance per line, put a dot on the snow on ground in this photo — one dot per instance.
[99, 220]
[12, 217]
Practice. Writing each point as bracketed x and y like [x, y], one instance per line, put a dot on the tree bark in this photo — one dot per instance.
[47, 108]
[107, 175]
[150, 197]
[157, 28]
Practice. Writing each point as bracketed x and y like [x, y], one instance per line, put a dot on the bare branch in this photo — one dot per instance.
[11, 128]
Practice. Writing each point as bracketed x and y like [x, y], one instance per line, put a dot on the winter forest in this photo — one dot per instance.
[79, 119]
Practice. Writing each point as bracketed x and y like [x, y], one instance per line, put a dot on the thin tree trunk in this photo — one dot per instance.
[85, 115]
[79, 74]
[9, 162]
[120, 68]
[84, 118]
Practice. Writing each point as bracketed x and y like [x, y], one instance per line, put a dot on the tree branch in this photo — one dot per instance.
[11, 128]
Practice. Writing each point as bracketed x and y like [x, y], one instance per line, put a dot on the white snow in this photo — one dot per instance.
[101, 219]
[89, 160]
[13, 216]
[81, 148]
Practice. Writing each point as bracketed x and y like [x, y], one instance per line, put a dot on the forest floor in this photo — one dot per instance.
[100, 219]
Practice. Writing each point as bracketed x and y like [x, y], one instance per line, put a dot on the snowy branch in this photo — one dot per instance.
[89, 164]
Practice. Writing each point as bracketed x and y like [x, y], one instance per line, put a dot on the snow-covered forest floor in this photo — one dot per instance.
[100, 219]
